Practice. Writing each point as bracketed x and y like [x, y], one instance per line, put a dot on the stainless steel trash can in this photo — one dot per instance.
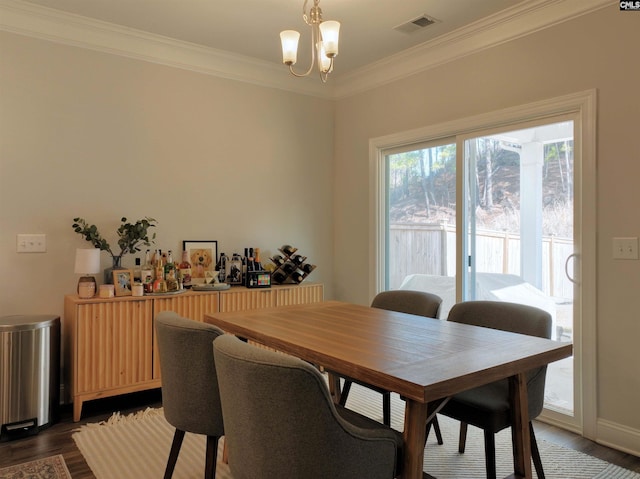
[29, 374]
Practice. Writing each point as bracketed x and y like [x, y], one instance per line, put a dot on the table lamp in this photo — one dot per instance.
[87, 263]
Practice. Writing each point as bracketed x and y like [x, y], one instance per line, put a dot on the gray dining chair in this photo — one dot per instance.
[280, 421]
[487, 407]
[419, 303]
[190, 395]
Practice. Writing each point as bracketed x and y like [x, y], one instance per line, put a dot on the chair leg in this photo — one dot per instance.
[211, 457]
[490, 454]
[386, 408]
[436, 429]
[173, 454]
[535, 453]
[345, 392]
[462, 441]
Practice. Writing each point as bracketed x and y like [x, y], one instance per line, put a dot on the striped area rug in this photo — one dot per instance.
[137, 446]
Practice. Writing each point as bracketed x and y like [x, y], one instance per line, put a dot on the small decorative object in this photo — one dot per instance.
[234, 270]
[106, 291]
[87, 263]
[123, 281]
[203, 255]
[290, 267]
[131, 238]
[137, 289]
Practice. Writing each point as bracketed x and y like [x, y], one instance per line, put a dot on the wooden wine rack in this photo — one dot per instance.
[289, 276]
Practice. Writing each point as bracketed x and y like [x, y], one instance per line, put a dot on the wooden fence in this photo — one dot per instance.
[431, 249]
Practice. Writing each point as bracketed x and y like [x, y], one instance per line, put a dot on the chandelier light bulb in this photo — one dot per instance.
[289, 39]
[330, 31]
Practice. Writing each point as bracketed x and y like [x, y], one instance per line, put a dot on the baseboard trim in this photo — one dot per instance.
[618, 436]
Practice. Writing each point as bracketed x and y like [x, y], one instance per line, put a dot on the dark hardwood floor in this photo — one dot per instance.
[57, 438]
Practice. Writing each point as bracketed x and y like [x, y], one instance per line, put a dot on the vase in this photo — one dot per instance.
[108, 272]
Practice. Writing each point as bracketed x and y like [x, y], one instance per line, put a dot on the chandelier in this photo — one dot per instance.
[324, 42]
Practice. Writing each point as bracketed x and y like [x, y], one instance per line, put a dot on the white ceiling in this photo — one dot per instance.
[239, 39]
[251, 27]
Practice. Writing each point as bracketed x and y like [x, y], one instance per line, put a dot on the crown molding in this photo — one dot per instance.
[515, 22]
[75, 30]
[60, 27]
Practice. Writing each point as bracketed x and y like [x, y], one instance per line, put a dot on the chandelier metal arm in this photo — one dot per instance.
[315, 35]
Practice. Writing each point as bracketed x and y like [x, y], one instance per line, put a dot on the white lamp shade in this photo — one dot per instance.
[324, 62]
[289, 39]
[330, 31]
[87, 261]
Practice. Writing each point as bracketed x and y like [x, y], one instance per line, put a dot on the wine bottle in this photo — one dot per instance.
[278, 277]
[298, 259]
[288, 249]
[185, 270]
[277, 259]
[297, 277]
[289, 267]
[308, 267]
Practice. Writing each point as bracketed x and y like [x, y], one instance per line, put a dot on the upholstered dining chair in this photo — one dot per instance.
[403, 301]
[280, 421]
[190, 397]
[487, 407]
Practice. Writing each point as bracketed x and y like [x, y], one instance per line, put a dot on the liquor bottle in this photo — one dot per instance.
[137, 271]
[170, 275]
[256, 260]
[159, 284]
[185, 270]
[146, 273]
[169, 267]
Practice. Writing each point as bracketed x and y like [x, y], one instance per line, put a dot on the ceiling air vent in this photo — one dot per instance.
[416, 24]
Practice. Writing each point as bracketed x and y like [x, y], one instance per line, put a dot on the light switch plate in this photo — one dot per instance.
[625, 248]
[31, 243]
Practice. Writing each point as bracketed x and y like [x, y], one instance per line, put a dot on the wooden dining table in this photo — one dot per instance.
[424, 360]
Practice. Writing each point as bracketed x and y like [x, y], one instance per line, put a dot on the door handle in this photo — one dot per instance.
[566, 268]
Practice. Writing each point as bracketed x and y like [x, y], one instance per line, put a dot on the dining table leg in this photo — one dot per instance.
[415, 420]
[520, 426]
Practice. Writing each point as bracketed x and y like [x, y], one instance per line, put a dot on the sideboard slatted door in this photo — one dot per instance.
[113, 346]
[246, 299]
[302, 294]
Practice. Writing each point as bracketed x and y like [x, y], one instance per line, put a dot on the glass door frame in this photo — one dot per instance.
[581, 107]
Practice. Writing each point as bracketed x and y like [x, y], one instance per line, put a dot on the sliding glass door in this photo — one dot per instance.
[519, 238]
[490, 216]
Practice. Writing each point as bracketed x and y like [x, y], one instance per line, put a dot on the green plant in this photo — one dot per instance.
[131, 236]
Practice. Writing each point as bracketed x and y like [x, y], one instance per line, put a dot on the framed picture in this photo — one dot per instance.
[122, 281]
[203, 256]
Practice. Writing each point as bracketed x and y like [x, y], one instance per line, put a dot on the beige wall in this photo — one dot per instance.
[595, 51]
[101, 136]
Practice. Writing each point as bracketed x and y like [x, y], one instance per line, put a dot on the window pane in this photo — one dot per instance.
[421, 219]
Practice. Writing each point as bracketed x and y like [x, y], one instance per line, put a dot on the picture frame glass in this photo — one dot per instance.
[203, 256]
[122, 281]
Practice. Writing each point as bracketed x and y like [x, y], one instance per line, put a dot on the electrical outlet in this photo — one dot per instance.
[625, 248]
[31, 243]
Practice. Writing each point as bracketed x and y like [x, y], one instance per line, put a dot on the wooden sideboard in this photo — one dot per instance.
[112, 341]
